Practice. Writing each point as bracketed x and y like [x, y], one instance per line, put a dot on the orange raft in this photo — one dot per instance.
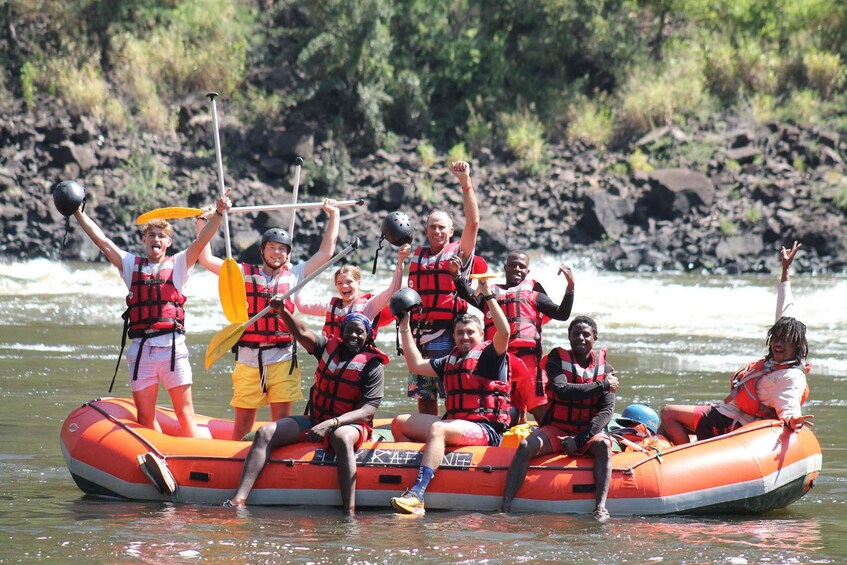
[755, 469]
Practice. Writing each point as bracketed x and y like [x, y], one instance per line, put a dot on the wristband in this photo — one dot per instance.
[219, 213]
[470, 186]
[488, 297]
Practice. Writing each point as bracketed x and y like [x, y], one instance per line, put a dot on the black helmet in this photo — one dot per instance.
[68, 196]
[276, 235]
[397, 228]
[402, 301]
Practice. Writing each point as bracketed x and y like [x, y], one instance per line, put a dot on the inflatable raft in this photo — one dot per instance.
[755, 469]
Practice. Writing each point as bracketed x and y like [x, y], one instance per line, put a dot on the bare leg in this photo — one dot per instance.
[412, 427]
[244, 420]
[533, 446]
[269, 437]
[184, 408]
[280, 410]
[602, 471]
[145, 406]
[342, 441]
[677, 423]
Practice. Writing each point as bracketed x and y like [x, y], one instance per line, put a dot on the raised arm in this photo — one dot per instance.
[329, 240]
[377, 303]
[414, 360]
[206, 258]
[298, 330]
[112, 252]
[563, 311]
[784, 296]
[501, 337]
[206, 233]
[462, 171]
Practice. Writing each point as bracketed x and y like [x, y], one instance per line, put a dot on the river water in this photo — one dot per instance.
[672, 337]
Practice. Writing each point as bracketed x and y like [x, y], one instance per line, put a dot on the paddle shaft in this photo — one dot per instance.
[340, 255]
[303, 205]
[294, 197]
[212, 96]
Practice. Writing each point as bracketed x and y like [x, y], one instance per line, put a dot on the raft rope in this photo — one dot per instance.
[127, 428]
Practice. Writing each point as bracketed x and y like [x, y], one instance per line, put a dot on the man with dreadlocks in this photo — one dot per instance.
[772, 387]
[349, 385]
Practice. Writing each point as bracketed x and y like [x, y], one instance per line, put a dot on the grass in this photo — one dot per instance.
[524, 135]
[427, 154]
[727, 226]
[590, 121]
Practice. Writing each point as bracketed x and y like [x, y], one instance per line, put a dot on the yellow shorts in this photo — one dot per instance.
[281, 386]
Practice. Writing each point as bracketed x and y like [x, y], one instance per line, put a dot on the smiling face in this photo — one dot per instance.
[582, 338]
[516, 268]
[275, 255]
[439, 230]
[156, 242]
[347, 282]
[354, 336]
[467, 335]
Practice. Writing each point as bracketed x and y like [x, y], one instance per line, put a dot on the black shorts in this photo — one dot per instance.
[712, 424]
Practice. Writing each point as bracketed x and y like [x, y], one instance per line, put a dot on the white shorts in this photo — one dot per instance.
[155, 367]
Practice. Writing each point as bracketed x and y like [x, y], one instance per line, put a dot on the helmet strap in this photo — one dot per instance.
[376, 255]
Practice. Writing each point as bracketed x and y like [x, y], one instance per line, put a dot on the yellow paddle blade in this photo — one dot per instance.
[172, 213]
[223, 341]
[232, 291]
[476, 276]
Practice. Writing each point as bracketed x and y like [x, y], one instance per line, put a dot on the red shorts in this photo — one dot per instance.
[525, 391]
[306, 423]
[553, 434]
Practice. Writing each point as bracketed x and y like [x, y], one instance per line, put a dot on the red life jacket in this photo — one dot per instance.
[430, 276]
[336, 312]
[337, 389]
[471, 396]
[574, 416]
[743, 387]
[269, 330]
[154, 305]
[518, 304]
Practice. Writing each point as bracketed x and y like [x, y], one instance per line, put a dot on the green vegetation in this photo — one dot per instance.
[427, 154]
[727, 226]
[501, 75]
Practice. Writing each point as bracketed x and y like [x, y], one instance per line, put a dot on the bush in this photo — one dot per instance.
[190, 53]
[81, 87]
[28, 76]
[524, 136]
[824, 72]
[427, 154]
[803, 107]
[459, 153]
[590, 121]
[656, 97]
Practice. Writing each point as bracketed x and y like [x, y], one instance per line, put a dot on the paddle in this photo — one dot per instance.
[230, 279]
[175, 212]
[476, 276]
[294, 198]
[225, 339]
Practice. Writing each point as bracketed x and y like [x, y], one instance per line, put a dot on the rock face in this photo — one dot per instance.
[720, 198]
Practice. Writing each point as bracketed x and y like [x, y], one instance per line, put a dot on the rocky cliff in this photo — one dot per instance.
[720, 196]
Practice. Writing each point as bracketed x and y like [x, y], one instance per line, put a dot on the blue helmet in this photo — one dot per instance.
[641, 414]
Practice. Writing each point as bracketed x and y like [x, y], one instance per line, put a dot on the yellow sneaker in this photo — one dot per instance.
[408, 503]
